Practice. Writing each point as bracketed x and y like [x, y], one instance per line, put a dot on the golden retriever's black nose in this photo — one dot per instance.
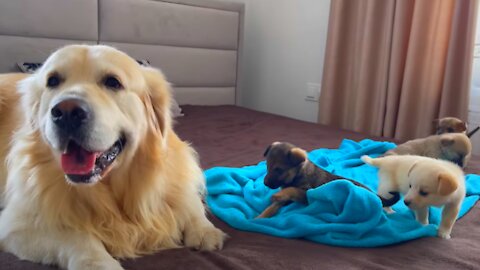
[71, 114]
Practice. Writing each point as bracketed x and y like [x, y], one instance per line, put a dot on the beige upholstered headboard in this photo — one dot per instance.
[196, 43]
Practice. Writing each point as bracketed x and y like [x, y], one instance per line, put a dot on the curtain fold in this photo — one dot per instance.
[392, 66]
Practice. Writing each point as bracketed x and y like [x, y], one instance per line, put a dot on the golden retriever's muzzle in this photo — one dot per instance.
[73, 120]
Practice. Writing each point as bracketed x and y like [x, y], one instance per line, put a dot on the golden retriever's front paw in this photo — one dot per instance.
[207, 238]
[445, 234]
[110, 264]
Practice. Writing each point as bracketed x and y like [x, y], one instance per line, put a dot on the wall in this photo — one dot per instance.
[284, 44]
[474, 108]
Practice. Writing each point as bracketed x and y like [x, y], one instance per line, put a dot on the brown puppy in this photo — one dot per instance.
[289, 168]
[454, 147]
[452, 125]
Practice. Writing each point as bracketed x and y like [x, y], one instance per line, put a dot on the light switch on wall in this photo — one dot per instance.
[313, 92]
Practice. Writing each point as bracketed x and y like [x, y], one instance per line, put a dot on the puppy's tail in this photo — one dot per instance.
[369, 160]
[391, 201]
[385, 202]
[471, 133]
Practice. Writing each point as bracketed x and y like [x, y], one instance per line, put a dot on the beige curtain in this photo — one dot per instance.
[392, 66]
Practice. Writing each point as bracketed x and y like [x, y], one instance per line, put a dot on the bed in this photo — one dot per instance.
[234, 136]
[198, 45]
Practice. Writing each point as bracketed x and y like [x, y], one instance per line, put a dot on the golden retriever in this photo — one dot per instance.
[93, 167]
[425, 182]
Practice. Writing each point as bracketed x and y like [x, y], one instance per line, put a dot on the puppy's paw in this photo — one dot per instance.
[444, 234]
[280, 197]
[389, 210]
[424, 222]
[206, 238]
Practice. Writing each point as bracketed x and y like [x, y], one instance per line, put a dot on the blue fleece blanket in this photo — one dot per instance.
[338, 213]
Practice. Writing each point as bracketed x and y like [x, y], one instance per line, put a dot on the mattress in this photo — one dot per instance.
[234, 136]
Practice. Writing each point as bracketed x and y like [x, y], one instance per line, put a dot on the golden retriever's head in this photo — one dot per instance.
[93, 106]
[429, 187]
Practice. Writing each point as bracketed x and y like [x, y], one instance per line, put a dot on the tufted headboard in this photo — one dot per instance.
[196, 43]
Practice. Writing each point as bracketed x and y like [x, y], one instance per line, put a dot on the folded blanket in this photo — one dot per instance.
[338, 213]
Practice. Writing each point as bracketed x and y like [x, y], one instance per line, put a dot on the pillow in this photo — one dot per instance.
[31, 67]
[27, 67]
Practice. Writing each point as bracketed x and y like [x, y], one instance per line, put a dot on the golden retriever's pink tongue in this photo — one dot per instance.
[78, 160]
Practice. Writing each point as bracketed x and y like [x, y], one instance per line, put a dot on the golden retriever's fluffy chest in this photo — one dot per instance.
[128, 221]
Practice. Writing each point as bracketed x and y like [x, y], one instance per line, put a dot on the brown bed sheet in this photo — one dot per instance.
[233, 136]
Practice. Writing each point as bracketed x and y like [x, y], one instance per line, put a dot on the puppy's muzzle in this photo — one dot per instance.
[270, 183]
[70, 115]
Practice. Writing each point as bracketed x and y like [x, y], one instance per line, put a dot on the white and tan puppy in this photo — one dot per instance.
[94, 170]
[454, 147]
[424, 182]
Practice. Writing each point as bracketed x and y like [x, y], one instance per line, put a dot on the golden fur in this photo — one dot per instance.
[150, 200]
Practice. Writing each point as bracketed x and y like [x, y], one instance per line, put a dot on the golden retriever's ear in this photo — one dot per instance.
[157, 101]
[297, 156]
[446, 184]
[30, 93]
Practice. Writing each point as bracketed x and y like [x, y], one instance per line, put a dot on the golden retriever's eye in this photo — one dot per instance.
[410, 186]
[112, 83]
[53, 80]
[423, 193]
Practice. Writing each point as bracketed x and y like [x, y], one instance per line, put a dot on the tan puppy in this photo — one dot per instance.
[94, 169]
[424, 182]
[453, 125]
[454, 147]
[450, 125]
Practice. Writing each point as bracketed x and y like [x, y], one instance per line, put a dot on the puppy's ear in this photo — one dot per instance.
[447, 141]
[296, 156]
[267, 150]
[446, 184]
[157, 101]
[461, 126]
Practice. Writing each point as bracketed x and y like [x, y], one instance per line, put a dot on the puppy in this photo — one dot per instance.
[93, 168]
[424, 182]
[452, 125]
[289, 168]
[454, 147]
